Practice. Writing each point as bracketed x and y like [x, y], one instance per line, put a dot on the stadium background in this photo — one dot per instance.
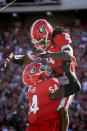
[15, 22]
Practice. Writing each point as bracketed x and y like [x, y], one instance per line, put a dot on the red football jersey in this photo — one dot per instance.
[60, 41]
[41, 108]
[51, 125]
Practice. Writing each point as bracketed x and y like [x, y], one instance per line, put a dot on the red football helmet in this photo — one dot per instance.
[40, 33]
[35, 73]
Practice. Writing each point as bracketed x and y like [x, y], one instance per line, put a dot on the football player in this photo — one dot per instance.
[55, 44]
[43, 111]
[42, 114]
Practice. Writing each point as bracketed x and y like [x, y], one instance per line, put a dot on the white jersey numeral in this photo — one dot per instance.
[34, 106]
[56, 87]
[53, 89]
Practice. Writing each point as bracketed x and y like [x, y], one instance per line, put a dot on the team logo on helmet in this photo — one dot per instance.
[35, 73]
[42, 29]
[32, 71]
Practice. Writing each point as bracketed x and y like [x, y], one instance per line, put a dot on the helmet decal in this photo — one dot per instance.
[32, 71]
[35, 73]
[40, 33]
[42, 29]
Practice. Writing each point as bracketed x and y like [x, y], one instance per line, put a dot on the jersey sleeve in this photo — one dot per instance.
[62, 39]
[67, 48]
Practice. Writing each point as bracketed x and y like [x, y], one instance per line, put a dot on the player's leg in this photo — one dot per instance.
[63, 112]
[64, 119]
[63, 106]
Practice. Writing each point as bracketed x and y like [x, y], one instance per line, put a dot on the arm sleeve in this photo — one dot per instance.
[74, 86]
[61, 55]
[65, 54]
[67, 48]
[18, 59]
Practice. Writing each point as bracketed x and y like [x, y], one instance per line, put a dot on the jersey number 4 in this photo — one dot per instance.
[34, 108]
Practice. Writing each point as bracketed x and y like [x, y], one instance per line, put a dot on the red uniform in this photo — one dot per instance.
[43, 114]
[41, 30]
[60, 41]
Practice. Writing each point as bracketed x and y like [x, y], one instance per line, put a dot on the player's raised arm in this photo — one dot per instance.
[18, 59]
[57, 55]
[65, 54]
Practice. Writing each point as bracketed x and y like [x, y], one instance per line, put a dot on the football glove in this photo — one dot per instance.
[9, 59]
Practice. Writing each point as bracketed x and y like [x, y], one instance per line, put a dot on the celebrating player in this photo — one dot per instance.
[43, 111]
[55, 44]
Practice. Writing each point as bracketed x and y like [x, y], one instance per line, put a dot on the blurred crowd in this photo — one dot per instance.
[13, 93]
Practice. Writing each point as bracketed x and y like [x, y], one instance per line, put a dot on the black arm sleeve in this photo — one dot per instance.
[61, 55]
[18, 59]
[74, 85]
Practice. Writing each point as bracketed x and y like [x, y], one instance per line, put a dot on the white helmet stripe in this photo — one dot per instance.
[33, 28]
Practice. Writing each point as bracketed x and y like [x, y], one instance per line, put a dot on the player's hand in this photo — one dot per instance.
[58, 94]
[9, 59]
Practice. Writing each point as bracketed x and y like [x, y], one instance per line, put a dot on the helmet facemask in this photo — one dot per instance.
[46, 69]
[43, 43]
[35, 73]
